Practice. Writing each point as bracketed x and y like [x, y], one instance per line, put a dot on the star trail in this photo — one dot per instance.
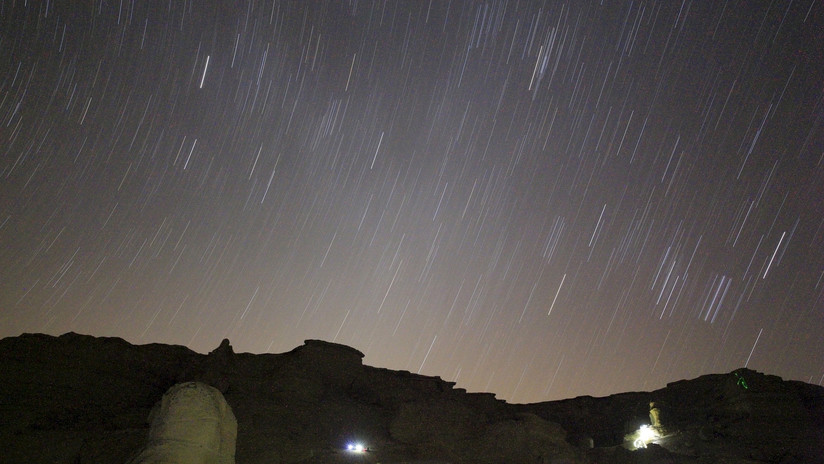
[537, 199]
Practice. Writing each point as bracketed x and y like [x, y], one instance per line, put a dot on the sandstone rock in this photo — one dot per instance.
[78, 399]
[527, 439]
[215, 369]
[192, 424]
[438, 423]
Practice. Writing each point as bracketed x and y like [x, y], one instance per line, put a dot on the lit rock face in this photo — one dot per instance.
[192, 424]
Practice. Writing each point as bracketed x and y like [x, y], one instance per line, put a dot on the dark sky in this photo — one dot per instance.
[538, 199]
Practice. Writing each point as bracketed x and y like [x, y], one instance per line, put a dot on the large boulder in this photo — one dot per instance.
[192, 424]
[526, 438]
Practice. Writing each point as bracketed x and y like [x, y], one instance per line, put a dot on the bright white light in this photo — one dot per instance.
[644, 435]
[355, 447]
[647, 433]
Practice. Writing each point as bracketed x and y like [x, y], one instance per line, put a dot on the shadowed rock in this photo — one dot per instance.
[78, 399]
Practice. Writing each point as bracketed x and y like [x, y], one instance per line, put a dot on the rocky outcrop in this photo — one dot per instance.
[742, 416]
[191, 424]
[80, 399]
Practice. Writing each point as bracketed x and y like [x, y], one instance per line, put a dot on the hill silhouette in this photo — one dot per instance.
[81, 399]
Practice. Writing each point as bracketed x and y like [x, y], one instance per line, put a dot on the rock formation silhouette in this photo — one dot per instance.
[80, 399]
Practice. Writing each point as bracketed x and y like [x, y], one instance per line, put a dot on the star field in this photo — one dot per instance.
[538, 199]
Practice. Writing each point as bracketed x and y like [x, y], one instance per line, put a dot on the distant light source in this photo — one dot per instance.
[643, 436]
[356, 447]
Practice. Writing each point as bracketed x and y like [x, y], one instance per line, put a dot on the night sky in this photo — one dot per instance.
[537, 199]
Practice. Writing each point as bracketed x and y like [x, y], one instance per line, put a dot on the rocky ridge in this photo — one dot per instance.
[81, 399]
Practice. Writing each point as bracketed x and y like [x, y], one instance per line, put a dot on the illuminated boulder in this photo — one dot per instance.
[192, 424]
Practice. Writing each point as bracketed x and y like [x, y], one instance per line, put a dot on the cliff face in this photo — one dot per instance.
[81, 399]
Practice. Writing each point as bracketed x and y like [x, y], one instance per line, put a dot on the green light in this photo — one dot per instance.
[741, 382]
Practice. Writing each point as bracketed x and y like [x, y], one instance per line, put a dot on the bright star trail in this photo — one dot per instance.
[538, 199]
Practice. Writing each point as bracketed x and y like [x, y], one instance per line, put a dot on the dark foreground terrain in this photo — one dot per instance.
[80, 399]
